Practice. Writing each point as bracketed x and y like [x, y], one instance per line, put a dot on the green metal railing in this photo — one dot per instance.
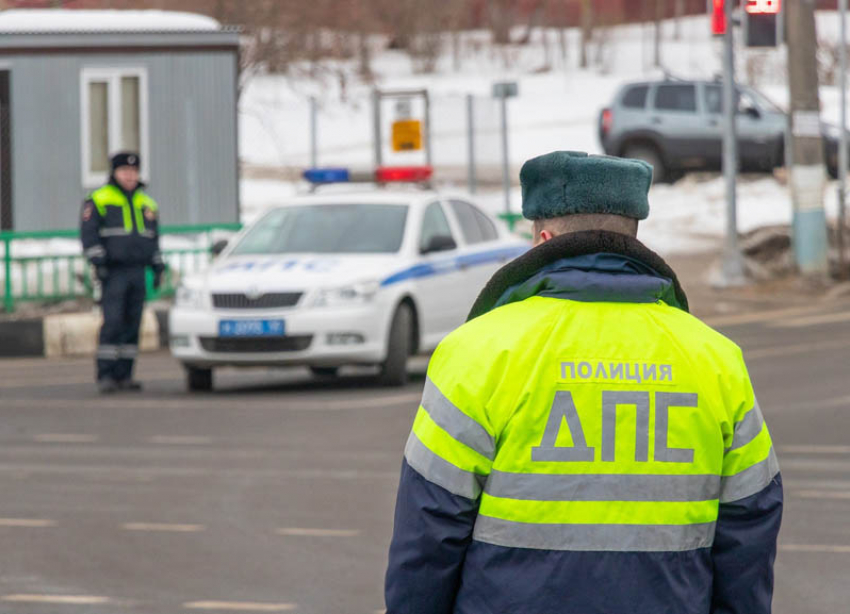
[53, 278]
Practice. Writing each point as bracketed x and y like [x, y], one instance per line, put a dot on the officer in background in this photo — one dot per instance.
[583, 443]
[120, 235]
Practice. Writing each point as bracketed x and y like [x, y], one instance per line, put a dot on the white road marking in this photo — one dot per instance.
[65, 438]
[240, 606]
[58, 599]
[803, 322]
[760, 316]
[163, 527]
[810, 464]
[29, 523]
[302, 532]
[816, 449]
[799, 348]
[379, 402]
[180, 440]
[815, 548]
[822, 494]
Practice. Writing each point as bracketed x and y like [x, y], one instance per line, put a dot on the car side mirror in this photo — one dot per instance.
[218, 247]
[751, 111]
[439, 243]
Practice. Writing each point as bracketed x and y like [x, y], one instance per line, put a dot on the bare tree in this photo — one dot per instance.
[535, 15]
[586, 30]
[562, 21]
[502, 15]
[680, 13]
[660, 6]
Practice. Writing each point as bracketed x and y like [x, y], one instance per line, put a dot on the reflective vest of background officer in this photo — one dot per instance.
[583, 443]
[120, 234]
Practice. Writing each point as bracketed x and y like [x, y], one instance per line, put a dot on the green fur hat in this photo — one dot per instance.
[568, 182]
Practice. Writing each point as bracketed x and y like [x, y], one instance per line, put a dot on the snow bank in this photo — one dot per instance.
[557, 108]
[34, 20]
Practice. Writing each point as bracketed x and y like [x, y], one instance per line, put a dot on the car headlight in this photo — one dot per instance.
[192, 298]
[351, 294]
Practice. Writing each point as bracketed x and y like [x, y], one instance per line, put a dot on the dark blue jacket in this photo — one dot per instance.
[436, 567]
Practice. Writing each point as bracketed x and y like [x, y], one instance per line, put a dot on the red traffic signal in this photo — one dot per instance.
[763, 7]
[718, 17]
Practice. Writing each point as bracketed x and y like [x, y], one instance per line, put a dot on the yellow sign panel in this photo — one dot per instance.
[407, 135]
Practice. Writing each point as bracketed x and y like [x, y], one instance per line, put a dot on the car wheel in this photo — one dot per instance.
[394, 368]
[199, 380]
[650, 155]
[325, 371]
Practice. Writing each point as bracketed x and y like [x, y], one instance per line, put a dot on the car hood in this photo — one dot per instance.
[297, 272]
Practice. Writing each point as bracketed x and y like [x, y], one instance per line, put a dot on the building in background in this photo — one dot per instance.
[77, 86]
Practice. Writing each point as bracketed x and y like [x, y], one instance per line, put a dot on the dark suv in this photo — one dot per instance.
[677, 126]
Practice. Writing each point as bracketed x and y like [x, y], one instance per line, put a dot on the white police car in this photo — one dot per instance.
[333, 279]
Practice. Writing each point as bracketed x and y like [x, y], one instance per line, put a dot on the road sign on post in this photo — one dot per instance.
[407, 135]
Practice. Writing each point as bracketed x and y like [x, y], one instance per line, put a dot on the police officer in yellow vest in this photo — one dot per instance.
[583, 443]
[120, 235]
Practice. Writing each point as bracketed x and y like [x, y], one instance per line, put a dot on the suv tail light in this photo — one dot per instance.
[607, 121]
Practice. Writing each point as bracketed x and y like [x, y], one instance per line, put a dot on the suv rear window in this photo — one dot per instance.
[676, 98]
[635, 98]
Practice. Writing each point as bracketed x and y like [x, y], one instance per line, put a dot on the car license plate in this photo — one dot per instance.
[251, 328]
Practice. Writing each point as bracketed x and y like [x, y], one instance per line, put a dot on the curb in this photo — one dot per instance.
[72, 334]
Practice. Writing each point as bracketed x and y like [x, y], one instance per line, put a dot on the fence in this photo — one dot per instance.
[48, 267]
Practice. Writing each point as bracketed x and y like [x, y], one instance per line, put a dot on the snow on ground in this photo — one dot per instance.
[51, 20]
[687, 217]
[556, 109]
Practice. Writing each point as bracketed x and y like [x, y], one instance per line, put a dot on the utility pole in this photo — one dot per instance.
[732, 267]
[807, 178]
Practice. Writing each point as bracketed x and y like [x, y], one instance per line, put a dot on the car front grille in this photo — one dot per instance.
[273, 300]
[248, 345]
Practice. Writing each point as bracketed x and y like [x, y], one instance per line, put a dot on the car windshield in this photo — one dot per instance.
[764, 103]
[327, 229]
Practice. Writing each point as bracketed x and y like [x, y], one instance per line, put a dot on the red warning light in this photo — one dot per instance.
[763, 7]
[718, 18]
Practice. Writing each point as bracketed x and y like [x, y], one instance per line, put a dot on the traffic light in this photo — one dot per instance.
[718, 17]
[762, 22]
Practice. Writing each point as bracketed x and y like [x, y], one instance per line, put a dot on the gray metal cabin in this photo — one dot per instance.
[70, 99]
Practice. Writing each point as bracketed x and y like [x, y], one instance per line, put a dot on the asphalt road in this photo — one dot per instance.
[276, 493]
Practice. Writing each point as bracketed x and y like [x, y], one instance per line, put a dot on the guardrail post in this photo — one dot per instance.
[8, 299]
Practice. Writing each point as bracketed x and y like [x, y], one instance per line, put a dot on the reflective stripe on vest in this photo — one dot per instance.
[591, 426]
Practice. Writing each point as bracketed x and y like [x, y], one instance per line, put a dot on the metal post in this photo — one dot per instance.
[428, 158]
[506, 166]
[8, 300]
[376, 126]
[842, 143]
[314, 132]
[470, 139]
[192, 180]
[732, 269]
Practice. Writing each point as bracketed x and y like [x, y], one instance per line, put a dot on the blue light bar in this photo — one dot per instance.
[327, 175]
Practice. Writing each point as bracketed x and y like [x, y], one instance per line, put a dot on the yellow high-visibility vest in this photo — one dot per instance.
[591, 426]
